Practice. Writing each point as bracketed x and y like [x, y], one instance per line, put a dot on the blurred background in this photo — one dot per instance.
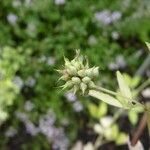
[34, 36]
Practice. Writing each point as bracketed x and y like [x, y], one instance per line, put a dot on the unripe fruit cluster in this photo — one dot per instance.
[77, 74]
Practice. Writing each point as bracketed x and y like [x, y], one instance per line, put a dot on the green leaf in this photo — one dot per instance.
[122, 139]
[124, 88]
[105, 98]
[112, 132]
[93, 110]
[102, 109]
[133, 117]
[97, 111]
[148, 45]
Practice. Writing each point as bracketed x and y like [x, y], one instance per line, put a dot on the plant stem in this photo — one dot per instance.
[139, 130]
[142, 86]
[143, 67]
[147, 111]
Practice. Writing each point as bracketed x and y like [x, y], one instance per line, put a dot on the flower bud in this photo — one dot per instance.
[89, 72]
[76, 80]
[91, 84]
[68, 84]
[96, 71]
[81, 73]
[83, 87]
[67, 62]
[71, 70]
[75, 88]
[86, 80]
[76, 64]
[64, 77]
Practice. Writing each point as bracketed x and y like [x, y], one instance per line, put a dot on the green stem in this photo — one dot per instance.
[142, 86]
[147, 111]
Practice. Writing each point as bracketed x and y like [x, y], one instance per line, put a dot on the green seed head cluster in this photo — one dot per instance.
[77, 74]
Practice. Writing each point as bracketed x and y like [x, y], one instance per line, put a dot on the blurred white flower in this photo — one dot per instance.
[28, 2]
[60, 141]
[59, 2]
[77, 106]
[103, 16]
[70, 96]
[18, 81]
[51, 61]
[77, 146]
[106, 17]
[10, 132]
[31, 128]
[53, 134]
[28, 106]
[31, 29]
[138, 146]
[120, 61]
[106, 121]
[89, 146]
[98, 128]
[16, 3]
[21, 116]
[115, 35]
[30, 81]
[116, 15]
[42, 58]
[146, 93]
[12, 18]
[92, 40]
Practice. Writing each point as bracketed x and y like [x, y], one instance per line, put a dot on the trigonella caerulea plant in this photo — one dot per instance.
[79, 77]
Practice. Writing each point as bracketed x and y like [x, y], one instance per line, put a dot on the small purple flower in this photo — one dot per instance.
[92, 40]
[103, 16]
[18, 82]
[28, 106]
[11, 132]
[115, 35]
[116, 15]
[51, 61]
[30, 81]
[31, 128]
[21, 116]
[71, 97]
[12, 18]
[77, 106]
[106, 17]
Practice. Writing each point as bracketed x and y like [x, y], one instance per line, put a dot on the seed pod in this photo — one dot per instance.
[91, 84]
[64, 77]
[76, 64]
[67, 62]
[89, 72]
[75, 88]
[82, 73]
[83, 87]
[86, 80]
[96, 71]
[72, 70]
[76, 80]
[68, 84]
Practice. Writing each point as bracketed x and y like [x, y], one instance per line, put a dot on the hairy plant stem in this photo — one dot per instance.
[139, 130]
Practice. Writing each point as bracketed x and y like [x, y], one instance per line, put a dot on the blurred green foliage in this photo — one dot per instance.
[34, 36]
